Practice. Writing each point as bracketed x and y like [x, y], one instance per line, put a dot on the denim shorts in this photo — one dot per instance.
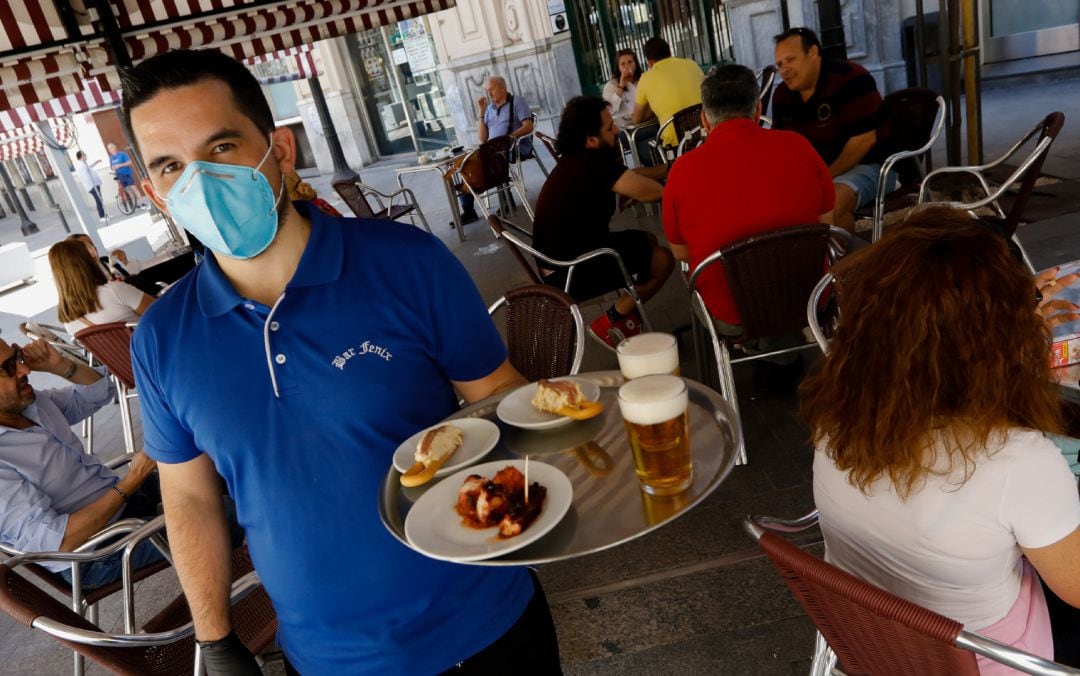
[862, 178]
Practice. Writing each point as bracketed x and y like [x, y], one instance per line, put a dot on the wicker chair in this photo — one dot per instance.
[517, 246]
[50, 333]
[870, 631]
[545, 334]
[355, 194]
[84, 602]
[1026, 173]
[165, 644]
[110, 344]
[766, 77]
[519, 157]
[549, 143]
[682, 121]
[770, 276]
[911, 121]
[487, 170]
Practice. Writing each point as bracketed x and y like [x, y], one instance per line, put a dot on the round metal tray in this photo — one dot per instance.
[609, 507]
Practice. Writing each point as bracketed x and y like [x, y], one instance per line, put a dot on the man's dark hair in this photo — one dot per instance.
[728, 92]
[656, 49]
[79, 154]
[581, 118]
[808, 37]
[183, 67]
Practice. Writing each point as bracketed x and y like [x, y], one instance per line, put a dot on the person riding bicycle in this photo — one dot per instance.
[122, 167]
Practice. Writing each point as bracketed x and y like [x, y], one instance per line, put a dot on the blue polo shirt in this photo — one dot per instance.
[301, 406]
[120, 158]
[501, 120]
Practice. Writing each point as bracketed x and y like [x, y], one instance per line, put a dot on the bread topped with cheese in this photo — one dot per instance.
[438, 443]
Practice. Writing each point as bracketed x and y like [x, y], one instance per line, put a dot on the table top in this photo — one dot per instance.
[608, 507]
[442, 163]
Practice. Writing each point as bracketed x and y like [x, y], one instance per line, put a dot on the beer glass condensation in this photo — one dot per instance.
[654, 408]
[648, 354]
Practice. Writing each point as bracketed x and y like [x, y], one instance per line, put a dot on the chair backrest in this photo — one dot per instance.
[488, 166]
[870, 630]
[771, 275]
[111, 345]
[548, 142]
[252, 617]
[500, 230]
[545, 334]
[1048, 129]
[686, 119]
[690, 140]
[906, 122]
[353, 196]
[766, 78]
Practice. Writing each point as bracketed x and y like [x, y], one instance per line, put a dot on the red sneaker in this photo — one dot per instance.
[609, 335]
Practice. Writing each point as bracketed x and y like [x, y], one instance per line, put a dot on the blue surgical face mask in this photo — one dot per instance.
[230, 208]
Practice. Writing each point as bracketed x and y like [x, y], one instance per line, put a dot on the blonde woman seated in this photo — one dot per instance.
[86, 296]
[931, 474]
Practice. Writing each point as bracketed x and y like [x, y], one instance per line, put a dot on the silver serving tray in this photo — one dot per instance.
[609, 507]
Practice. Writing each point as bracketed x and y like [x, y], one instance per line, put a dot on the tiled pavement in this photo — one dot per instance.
[694, 597]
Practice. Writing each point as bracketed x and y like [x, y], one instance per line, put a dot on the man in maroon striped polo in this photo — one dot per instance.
[834, 104]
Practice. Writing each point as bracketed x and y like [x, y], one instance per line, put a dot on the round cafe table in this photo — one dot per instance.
[608, 506]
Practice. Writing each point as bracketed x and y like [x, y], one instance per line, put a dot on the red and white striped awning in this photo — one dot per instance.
[91, 97]
[43, 58]
[299, 61]
[28, 140]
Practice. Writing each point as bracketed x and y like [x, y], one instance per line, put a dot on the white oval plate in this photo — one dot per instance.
[478, 437]
[434, 528]
[516, 408]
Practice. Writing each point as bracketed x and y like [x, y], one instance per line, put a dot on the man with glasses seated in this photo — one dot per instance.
[834, 104]
[54, 496]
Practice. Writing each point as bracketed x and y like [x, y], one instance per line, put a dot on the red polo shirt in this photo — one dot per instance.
[742, 181]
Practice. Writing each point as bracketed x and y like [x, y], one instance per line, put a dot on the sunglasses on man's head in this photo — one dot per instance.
[10, 366]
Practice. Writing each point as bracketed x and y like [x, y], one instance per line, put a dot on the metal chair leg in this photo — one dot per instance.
[88, 433]
[125, 419]
[727, 379]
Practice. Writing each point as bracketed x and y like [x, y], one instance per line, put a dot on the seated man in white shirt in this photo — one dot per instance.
[54, 496]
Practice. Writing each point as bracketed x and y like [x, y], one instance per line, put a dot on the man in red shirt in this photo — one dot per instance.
[742, 181]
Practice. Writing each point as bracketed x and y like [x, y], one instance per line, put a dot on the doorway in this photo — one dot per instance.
[401, 88]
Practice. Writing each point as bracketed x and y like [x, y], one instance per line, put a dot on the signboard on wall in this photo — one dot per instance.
[417, 43]
[557, 14]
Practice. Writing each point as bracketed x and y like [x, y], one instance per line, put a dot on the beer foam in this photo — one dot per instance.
[648, 353]
[653, 399]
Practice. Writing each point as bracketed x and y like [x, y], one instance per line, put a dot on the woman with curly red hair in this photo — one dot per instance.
[932, 476]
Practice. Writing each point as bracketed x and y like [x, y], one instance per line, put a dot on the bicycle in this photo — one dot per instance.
[124, 202]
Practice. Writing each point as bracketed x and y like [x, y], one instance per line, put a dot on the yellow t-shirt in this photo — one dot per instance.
[669, 86]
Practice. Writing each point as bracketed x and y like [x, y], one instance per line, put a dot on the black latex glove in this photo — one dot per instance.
[228, 657]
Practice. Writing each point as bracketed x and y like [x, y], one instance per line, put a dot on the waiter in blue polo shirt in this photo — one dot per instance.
[504, 114]
[292, 361]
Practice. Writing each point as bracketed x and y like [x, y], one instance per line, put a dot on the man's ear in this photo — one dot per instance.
[757, 112]
[592, 142]
[705, 122]
[284, 152]
[149, 190]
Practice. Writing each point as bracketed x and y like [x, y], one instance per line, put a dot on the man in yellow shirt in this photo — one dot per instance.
[670, 84]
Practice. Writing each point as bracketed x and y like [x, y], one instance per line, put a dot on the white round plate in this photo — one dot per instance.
[434, 528]
[516, 408]
[478, 437]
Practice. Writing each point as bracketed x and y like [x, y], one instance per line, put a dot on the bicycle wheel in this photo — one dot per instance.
[124, 203]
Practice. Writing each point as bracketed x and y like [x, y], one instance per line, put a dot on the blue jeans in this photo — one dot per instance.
[107, 570]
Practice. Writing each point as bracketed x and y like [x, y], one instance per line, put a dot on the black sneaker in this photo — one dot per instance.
[469, 217]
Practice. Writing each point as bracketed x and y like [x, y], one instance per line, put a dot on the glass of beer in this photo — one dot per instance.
[647, 354]
[654, 408]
